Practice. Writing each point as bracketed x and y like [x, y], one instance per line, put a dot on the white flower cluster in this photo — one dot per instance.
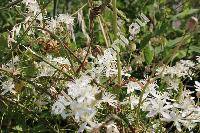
[34, 13]
[46, 70]
[12, 64]
[132, 86]
[34, 8]
[7, 86]
[105, 64]
[182, 112]
[82, 102]
[66, 19]
[84, 97]
[181, 69]
[180, 109]
[81, 96]
[57, 23]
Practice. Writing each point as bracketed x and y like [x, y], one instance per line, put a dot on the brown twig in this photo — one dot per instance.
[94, 12]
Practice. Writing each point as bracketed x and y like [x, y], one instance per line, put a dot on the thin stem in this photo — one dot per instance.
[79, 9]
[115, 36]
[103, 31]
[114, 18]
[91, 35]
[119, 13]
[46, 61]
[55, 7]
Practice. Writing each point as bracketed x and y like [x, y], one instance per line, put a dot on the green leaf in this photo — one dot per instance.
[18, 128]
[195, 49]
[148, 54]
[173, 43]
[185, 13]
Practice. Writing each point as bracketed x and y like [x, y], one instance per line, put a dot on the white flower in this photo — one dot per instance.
[176, 118]
[56, 23]
[8, 86]
[45, 69]
[158, 105]
[109, 98]
[181, 69]
[82, 127]
[69, 21]
[173, 83]
[82, 90]
[89, 126]
[59, 106]
[52, 24]
[66, 18]
[33, 7]
[150, 89]
[197, 86]
[134, 101]
[105, 64]
[131, 86]
[186, 104]
[198, 59]
[61, 60]
[11, 65]
[112, 128]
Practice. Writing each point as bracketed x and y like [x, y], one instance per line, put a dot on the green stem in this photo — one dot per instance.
[79, 9]
[103, 31]
[55, 7]
[46, 61]
[115, 36]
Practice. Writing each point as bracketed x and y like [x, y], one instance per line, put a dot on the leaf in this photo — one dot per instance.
[185, 13]
[148, 54]
[172, 43]
[18, 128]
[195, 49]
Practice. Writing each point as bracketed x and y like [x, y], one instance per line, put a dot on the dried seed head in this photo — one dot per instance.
[192, 24]
[198, 94]
[97, 51]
